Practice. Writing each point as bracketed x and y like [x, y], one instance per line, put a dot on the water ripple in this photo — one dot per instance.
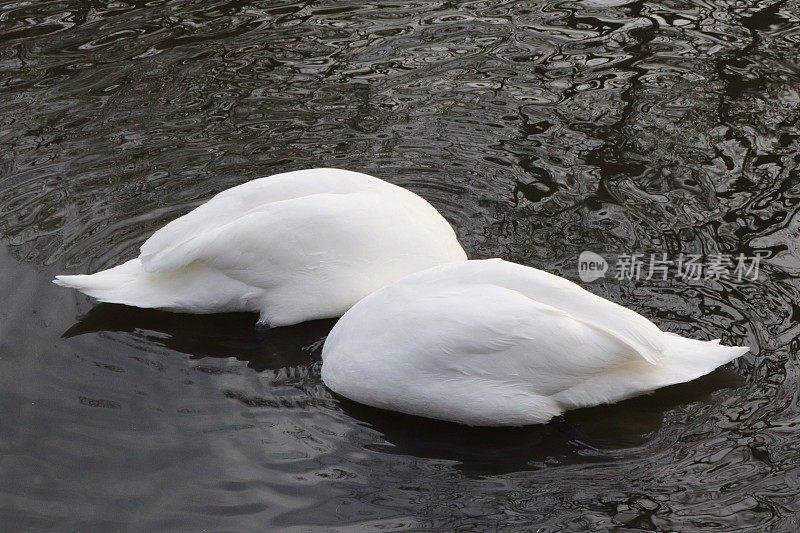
[539, 129]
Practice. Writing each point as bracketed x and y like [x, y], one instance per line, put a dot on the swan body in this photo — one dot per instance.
[293, 247]
[493, 343]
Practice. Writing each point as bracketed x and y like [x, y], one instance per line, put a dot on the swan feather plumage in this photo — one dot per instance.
[495, 343]
[293, 247]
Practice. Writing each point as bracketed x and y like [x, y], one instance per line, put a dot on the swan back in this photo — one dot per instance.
[166, 248]
[629, 327]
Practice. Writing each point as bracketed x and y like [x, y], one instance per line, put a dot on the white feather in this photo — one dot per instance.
[294, 247]
[493, 343]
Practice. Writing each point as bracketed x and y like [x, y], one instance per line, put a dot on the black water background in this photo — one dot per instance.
[539, 129]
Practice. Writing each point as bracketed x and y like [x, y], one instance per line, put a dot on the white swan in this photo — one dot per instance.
[493, 343]
[293, 247]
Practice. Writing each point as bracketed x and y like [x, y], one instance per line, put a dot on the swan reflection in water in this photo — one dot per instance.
[213, 335]
[594, 434]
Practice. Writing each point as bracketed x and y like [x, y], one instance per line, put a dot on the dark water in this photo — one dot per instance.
[540, 129]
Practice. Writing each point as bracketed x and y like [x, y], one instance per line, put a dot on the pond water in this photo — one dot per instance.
[539, 129]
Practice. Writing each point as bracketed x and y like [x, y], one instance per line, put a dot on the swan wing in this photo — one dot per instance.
[493, 333]
[165, 248]
[322, 244]
[592, 310]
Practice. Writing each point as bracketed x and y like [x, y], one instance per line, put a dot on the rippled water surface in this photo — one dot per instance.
[539, 129]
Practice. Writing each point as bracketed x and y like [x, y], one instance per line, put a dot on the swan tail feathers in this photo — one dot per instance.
[687, 359]
[682, 360]
[122, 284]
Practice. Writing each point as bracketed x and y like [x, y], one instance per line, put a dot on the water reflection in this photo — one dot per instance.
[217, 335]
[539, 130]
